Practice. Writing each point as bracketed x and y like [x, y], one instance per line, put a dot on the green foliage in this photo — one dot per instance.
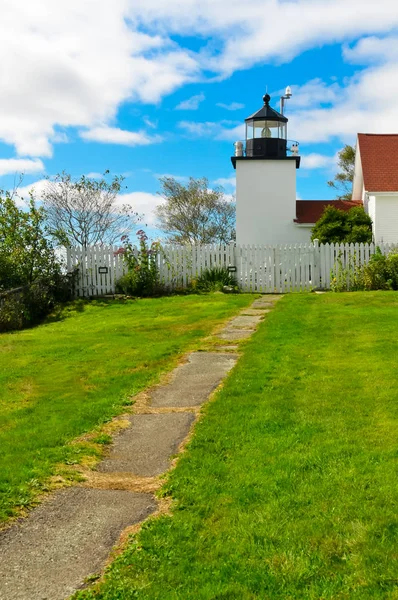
[392, 266]
[339, 226]
[194, 213]
[142, 278]
[342, 182]
[380, 273]
[12, 311]
[215, 280]
[28, 305]
[26, 251]
[27, 261]
[348, 277]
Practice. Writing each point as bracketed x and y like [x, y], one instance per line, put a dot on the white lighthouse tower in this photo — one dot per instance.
[266, 180]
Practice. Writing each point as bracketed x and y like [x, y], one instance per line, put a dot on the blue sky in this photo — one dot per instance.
[152, 88]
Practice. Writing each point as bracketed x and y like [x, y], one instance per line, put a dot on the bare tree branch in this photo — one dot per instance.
[85, 211]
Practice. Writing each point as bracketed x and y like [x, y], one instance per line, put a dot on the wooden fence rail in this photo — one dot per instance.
[266, 269]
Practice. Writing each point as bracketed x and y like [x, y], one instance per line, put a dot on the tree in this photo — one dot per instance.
[26, 252]
[85, 211]
[195, 214]
[339, 226]
[342, 182]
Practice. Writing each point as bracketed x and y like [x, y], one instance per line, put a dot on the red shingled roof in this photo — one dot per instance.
[379, 157]
[309, 211]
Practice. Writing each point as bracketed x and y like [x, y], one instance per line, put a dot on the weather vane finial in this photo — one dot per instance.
[266, 99]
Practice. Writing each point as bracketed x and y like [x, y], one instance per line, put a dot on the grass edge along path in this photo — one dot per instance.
[63, 379]
[288, 488]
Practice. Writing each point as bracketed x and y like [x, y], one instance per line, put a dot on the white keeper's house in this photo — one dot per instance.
[376, 183]
[267, 211]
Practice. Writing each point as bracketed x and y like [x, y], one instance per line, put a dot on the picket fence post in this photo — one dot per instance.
[315, 276]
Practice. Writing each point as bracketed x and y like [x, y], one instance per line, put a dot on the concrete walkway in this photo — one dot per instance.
[50, 554]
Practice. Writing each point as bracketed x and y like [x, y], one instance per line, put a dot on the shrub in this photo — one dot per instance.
[392, 267]
[339, 226]
[142, 278]
[215, 280]
[376, 274]
[348, 277]
[30, 304]
[381, 273]
[12, 312]
[28, 261]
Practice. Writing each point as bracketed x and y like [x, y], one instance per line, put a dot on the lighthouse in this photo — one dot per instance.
[266, 180]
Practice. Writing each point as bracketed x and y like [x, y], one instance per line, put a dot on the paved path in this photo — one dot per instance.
[48, 555]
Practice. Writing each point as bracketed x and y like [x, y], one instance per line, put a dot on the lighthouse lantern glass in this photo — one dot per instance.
[265, 129]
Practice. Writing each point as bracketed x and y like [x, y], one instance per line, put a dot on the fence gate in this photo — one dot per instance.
[277, 269]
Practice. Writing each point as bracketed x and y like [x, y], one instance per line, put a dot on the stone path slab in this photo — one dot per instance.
[48, 555]
[145, 448]
[232, 335]
[262, 303]
[193, 382]
[255, 312]
[245, 321]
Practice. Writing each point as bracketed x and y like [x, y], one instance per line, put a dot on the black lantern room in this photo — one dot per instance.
[266, 132]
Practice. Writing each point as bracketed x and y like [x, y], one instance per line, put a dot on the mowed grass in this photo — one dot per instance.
[289, 487]
[64, 378]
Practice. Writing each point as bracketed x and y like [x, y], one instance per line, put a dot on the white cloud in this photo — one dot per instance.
[94, 175]
[372, 49]
[151, 124]
[199, 129]
[37, 188]
[75, 66]
[367, 104]
[20, 165]
[192, 103]
[226, 181]
[313, 93]
[232, 134]
[114, 135]
[143, 203]
[232, 106]
[317, 161]
[245, 33]
[224, 130]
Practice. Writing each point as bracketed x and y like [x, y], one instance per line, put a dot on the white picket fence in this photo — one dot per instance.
[266, 269]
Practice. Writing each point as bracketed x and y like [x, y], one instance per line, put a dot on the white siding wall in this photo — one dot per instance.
[385, 219]
[302, 234]
[266, 203]
[370, 208]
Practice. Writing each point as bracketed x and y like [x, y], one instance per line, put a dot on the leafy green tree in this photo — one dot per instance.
[86, 211]
[26, 251]
[339, 226]
[194, 213]
[342, 181]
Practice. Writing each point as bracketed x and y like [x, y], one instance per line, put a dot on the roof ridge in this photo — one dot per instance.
[379, 134]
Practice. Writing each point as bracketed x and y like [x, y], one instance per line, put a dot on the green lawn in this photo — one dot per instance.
[289, 487]
[62, 379]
